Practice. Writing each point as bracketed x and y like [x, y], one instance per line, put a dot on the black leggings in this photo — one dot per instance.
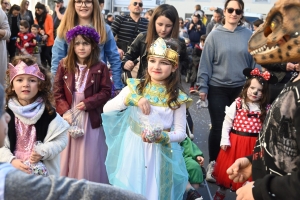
[218, 98]
[46, 55]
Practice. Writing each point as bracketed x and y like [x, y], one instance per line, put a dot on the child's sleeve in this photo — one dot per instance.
[190, 149]
[179, 133]
[227, 124]
[117, 103]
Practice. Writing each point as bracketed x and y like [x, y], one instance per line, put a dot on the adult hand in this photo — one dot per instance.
[121, 53]
[44, 37]
[202, 96]
[200, 160]
[68, 117]
[245, 192]
[297, 67]
[81, 106]
[57, 8]
[198, 27]
[240, 170]
[290, 66]
[17, 163]
[129, 65]
[191, 26]
[144, 105]
[35, 157]
[224, 147]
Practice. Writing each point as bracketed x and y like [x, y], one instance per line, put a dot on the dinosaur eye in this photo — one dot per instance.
[273, 25]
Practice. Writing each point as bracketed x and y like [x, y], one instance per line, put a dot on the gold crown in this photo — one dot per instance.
[160, 49]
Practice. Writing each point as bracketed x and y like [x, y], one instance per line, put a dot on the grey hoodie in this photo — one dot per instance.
[224, 57]
[19, 186]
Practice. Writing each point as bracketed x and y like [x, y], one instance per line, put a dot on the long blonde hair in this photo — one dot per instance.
[70, 19]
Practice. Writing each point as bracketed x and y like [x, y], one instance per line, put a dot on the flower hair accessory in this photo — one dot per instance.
[267, 76]
[22, 68]
[87, 31]
[159, 49]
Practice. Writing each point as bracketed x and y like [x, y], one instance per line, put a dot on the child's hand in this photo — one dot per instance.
[68, 117]
[200, 160]
[224, 147]
[81, 106]
[35, 157]
[42, 32]
[26, 44]
[144, 105]
[17, 163]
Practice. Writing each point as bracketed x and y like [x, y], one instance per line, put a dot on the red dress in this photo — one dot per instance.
[243, 135]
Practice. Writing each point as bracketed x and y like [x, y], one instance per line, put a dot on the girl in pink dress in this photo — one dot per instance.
[241, 126]
[82, 82]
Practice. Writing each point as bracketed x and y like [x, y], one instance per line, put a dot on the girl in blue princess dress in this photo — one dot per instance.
[151, 166]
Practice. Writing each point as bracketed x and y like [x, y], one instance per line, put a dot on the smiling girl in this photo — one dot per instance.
[164, 23]
[134, 162]
[82, 82]
[29, 98]
[241, 126]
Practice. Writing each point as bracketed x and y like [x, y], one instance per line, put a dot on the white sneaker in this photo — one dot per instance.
[209, 171]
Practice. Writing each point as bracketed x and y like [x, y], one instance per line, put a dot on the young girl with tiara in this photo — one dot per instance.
[82, 83]
[242, 123]
[33, 118]
[145, 161]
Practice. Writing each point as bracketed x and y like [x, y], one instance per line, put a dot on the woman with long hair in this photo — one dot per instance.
[164, 23]
[224, 57]
[88, 13]
[45, 22]
[14, 19]
[25, 13]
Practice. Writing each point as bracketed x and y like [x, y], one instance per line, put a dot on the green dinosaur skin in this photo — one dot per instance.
[278, 39]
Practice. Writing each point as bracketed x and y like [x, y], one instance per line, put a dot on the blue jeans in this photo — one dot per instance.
[218, 98]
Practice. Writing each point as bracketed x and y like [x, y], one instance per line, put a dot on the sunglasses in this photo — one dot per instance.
[237, 11]
[136, 3]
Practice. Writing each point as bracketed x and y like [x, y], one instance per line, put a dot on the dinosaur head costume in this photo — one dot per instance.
[278, 39]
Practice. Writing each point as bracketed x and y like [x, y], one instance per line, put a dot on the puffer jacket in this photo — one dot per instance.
[138, 48]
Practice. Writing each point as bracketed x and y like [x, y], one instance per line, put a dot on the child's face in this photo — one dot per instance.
[254, 92]
[26, 87]
[159, 69]
[82, 48]
[202, 43]
[34, 30]
[163, 26]
[23, 29]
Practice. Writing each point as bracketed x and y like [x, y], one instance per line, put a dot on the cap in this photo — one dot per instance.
[58, 1]
[109, 14]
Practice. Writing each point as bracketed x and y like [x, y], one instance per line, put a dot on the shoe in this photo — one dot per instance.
[209, 171]
[192, 90]
[193, 195]
[219, 196]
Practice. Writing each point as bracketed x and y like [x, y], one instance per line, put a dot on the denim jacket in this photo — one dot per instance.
[108, 52]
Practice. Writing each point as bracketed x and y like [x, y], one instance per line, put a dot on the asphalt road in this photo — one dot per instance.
[201, 121]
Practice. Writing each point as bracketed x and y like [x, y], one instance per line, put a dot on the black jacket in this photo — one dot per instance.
[138, 49]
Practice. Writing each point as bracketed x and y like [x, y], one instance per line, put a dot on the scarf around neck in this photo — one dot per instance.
[28, 114]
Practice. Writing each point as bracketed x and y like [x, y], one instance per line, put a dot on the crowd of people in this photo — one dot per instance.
[93, 104]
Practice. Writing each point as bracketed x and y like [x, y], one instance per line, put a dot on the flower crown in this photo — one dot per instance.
[22, 68]
[87, 31]
[159, 49]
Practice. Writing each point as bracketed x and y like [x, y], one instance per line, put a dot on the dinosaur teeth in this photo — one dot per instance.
[263, 49]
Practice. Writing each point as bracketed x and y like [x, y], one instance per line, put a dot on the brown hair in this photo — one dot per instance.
[197, 7]
[24, 23]
[172, 83]
[263, 102]
[169, 12]
[45, 87]
[22, 6]
[70, 20]
[71, 58]
[203, 38]
[241, 4]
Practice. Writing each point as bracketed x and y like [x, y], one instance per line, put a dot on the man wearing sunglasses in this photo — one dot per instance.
[127, 27]
[4, 4]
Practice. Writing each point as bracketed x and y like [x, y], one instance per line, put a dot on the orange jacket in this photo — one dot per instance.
[48, 28]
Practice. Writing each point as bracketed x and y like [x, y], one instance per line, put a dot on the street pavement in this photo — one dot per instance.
[202, 123]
